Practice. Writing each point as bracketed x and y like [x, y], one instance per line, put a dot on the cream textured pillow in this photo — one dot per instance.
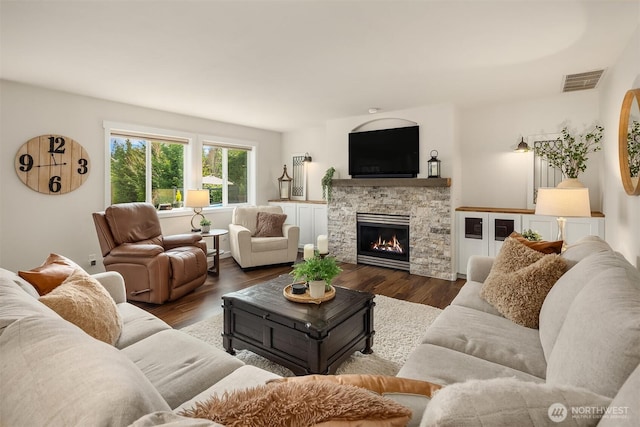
[82, 300]
[269, 225]
[520, 280]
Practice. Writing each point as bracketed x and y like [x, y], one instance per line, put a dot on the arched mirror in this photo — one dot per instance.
[629, 142]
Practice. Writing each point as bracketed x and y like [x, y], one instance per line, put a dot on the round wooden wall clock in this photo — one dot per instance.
[52, 164]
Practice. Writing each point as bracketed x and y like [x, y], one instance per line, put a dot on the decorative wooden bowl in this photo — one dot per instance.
[306, 298]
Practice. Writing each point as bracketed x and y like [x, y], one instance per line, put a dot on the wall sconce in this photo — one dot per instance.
[197, 199]
[284, 183]
[522, 147]
[433, 165]
[307, 157]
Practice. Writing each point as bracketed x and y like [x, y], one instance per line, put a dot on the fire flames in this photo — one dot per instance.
[392, 245]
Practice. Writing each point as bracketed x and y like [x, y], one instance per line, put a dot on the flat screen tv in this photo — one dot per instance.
[386, 153]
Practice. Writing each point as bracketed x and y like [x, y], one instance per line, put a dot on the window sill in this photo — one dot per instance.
[178, 212]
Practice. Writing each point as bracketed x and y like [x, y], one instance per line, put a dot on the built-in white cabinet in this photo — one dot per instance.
[482, 233]
[575, 228]
[311, 217]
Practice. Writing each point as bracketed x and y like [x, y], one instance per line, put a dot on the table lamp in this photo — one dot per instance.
[562, 203]
[197, 199]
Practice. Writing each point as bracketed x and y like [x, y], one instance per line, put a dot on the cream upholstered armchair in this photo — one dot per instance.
[258, 236]
[155, 268]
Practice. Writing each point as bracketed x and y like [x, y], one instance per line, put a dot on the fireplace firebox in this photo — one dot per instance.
[383, 240]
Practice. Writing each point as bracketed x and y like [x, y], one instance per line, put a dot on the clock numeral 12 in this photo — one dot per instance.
[56, 145]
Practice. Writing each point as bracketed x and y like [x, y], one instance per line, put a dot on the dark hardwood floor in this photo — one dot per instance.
[206, 300]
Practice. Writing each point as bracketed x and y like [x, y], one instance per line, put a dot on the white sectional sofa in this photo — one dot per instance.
[588, 338]
[585, 354]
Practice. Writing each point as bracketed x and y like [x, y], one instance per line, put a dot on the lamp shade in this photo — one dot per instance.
[564, 202]
[197, 198]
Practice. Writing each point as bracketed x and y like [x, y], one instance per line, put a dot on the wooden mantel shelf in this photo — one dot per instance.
[595, 214]
[393, 182]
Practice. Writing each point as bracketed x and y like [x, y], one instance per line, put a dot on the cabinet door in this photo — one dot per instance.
[500, 226]
[305, 222]
[546, 226]
[473, 237]
[577, 228]
[290, 210]
[319, 220]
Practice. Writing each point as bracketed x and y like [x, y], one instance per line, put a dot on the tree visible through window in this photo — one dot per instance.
[132, 176]
[224, 173]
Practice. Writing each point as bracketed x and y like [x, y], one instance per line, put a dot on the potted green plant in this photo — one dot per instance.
[205, 224]
[319, 272]
[531, 235]
[327, 184]
[569, 153]
[633, 149]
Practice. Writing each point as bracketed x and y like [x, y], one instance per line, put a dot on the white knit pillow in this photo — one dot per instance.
[512, 402]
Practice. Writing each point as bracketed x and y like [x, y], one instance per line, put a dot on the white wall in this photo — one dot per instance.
[492, 174]
[622, 212]
[313, 141]
[329, 144]
[32, 224]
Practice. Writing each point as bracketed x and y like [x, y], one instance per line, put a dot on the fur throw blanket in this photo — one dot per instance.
[300, 404]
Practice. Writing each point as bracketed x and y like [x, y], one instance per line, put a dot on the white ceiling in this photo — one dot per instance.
[285, 65]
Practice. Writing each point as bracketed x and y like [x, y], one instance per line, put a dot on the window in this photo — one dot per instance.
[225, 173]
[147, 168]
[158, 165]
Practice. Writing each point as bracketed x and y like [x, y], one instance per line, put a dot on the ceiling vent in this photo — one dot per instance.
[582, 81]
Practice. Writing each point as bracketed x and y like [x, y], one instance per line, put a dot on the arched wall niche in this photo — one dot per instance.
[383, 123]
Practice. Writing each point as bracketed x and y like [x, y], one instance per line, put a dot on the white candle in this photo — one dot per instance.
[323, 244]
[284, 192]
[308, 251]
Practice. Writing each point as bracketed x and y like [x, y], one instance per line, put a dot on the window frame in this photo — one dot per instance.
[192, 167]
[235, 144]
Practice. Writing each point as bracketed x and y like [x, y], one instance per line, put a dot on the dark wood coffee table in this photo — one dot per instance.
[306, 338]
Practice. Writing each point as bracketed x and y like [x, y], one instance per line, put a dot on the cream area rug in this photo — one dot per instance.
[399, 325]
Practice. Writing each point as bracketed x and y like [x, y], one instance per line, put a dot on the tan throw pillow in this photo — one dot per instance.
[270, 225]
[541, 246]
[380, 384]
[50, 274]
[83, 301]
[300, 404]
[520, 280]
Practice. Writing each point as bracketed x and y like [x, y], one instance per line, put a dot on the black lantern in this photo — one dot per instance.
[284, 182]
[433, 165]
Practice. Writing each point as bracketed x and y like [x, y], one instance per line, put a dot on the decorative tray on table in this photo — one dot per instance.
[306, 298]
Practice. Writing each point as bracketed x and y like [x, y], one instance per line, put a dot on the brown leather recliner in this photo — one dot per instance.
[155, 268]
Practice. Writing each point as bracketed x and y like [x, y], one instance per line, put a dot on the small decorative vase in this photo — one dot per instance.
[570, 183]
[206, 228]
[316, 288]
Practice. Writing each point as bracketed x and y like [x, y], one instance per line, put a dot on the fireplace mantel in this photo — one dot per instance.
[393, 182]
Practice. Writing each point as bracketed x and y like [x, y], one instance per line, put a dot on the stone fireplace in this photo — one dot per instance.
[426, 205]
